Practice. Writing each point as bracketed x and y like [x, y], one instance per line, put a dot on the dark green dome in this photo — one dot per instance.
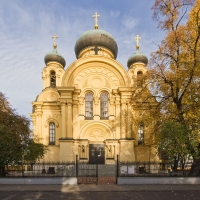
[137, 57]
[54, 57]
[96, 37]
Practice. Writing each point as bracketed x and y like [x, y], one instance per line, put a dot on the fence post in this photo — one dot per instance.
[97, 172]
[117, 165]
[76, 165]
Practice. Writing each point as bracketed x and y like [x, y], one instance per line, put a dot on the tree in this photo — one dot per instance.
[16, 143]
[175, 65]
[174, 75]
[172, 143]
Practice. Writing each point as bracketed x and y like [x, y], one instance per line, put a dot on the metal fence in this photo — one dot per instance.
[40, 169]
[153, 169]
[120, 169]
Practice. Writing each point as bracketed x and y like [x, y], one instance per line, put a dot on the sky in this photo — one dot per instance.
[27, 27]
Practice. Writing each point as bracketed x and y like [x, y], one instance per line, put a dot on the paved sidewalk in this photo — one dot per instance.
[86, 188]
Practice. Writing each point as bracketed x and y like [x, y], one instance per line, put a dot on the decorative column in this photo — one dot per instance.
[81, 112]
[48, 80]
[129, 120]
[117, 121]
[67, 147]
[96, 109]
[123, 119]
[69, 119]
[44, 82]
[75, 119]
[63, 114]
[33, 116]
[112, 108]
[58, 80]
[38, 111]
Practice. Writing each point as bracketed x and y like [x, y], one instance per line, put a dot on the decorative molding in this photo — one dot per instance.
[107, 83]
[52, 116]
[51, 120]
[82, 123]
[85, 84]
[100, 70]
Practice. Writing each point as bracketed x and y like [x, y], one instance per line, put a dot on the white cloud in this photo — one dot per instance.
[130, 22]
[25, 38]
[115, 13]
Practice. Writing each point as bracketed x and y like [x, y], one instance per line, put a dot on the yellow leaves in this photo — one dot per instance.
[168, 13]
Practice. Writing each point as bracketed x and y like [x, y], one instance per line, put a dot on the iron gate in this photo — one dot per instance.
[87, 173]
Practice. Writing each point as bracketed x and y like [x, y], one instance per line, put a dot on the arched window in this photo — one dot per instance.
[52, 78]
[139, 78]
[89, 105]
[141, 133]
[104, 105]
[52, 133]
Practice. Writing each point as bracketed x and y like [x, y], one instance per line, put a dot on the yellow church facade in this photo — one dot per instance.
[86, 110]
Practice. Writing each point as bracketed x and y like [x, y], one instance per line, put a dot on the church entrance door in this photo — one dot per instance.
[96, 154]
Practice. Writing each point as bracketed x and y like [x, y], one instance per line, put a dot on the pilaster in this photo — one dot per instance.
[112, 108]
[81, 110]
[96, 109]
[129, 121]
[63, 114]
[123, 113]
[69, 119]
[117, 121]
[75, 117]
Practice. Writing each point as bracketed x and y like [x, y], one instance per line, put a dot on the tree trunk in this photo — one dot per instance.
[2, 171]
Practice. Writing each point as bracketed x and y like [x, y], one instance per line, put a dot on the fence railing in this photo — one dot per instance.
[153, 169]
[40, 169]
[120, 169]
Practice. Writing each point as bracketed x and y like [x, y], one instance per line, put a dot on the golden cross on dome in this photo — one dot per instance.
[55, 37]
[96, 16]
[137, 39]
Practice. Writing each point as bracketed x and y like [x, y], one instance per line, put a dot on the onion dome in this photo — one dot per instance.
[54, 56]
[137, 58]
[96, 37]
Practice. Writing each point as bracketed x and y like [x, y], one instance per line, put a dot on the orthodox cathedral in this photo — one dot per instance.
[86, 109]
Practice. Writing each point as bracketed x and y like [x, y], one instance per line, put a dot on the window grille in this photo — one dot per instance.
[141, 134]
[104, 105]
[139, 78]
[89, 105]
[52, 133]
[52, 79]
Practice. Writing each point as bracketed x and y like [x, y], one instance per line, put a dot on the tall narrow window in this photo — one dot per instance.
[104, 105]
[139, 78]
[53, 79]
[52, 133]
[141, 133]
[89, 106]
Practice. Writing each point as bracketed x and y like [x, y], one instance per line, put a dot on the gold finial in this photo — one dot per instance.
[55, 37]
[137, 39]
[96, 16]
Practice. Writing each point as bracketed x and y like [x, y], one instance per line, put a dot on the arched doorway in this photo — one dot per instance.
[96, 134]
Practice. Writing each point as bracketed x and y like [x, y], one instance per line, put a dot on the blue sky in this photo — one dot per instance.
[27, 27]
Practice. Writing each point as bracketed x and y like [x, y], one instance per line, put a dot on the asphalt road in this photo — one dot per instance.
[101, 195]
[100, 192]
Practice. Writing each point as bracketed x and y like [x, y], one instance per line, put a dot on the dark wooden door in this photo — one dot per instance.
[97, 154]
